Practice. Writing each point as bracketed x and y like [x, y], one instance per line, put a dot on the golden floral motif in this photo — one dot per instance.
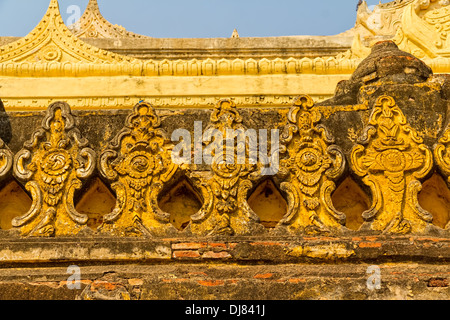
[442, 157]
[225, 189]
[50, 53]
[53, 163]
[138, 162]
[312, 163]
[390, 158]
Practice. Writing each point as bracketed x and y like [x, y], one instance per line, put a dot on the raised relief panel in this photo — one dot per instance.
[53, 164]
[6, 159]
[225, 188]
[391, 158]
[138, 162]
[312, 165]
[9, 201]
[442, 157]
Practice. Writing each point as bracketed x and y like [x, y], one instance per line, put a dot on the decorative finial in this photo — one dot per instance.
[93, 25]
[359, 4]
[235, 34]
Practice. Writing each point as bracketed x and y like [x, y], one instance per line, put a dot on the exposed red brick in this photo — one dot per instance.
[438, 283]
[370, 245]
[188, 246]
[232, 245]
[64, 283]
[218, 245]
[186, 254]
[264, 276]
[110, 286]
[267, 244]
[297, 280]
[174, 280]
[216, 255]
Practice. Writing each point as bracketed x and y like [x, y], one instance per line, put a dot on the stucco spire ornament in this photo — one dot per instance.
[92, 24]
[51, 42]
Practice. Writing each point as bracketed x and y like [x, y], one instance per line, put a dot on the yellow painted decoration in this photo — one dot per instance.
[138, 161]
[312, 164]
[442, 157]
[391, 158]
[225, 189]
[53, 163]
[51, 50]
[93, 25]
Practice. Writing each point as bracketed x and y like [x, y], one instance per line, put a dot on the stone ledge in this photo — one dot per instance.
[228, 282]
[226, 250]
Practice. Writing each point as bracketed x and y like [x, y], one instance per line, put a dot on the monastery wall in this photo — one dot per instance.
[107, 171]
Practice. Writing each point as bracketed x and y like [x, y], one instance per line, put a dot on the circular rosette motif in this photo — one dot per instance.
[309, 160]
[56, 163]
[225, 168]
[393, 160]
[50, 53]
[309, 164]
[141, 164]
[55, 170]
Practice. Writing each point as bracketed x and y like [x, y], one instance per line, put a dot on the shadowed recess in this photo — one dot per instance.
[14, 202]
[350, 199]
[181, 202]
[268, 203]
[96, 202]
[435, 198]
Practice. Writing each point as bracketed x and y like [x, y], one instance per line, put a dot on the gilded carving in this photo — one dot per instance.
[424, 34]
[51, 42]
[312, 165]
[442, 157]
[6, 159]
[92, 24]
[391, 158]
[53, 164]
[225, 188]
[138, 162]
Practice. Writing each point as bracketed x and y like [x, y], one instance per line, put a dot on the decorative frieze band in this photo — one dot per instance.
[300, 157]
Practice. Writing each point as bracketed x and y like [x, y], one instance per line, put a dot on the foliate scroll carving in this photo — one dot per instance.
[312, 165]
[225, 188]
[6, 160]
[391, 158]
[53, 164]
[138, 162]
[442, 157]
[425, 34]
